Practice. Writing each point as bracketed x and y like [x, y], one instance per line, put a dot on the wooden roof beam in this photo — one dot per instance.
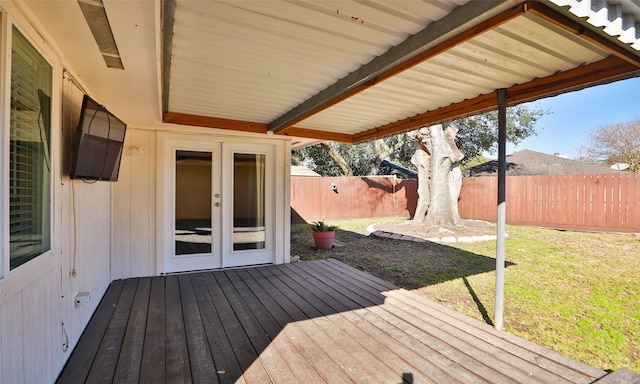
[462, 24]
[315, 134]
[214, 122]
[250, 126]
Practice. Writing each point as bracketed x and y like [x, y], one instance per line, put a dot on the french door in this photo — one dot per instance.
[248, 217]
[215, 203]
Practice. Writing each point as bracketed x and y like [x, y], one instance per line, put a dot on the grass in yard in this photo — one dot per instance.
[573, 292]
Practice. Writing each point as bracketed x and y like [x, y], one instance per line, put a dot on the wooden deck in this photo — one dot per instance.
[309, 322]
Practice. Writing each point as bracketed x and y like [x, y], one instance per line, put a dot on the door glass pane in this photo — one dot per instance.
[193, 202]
[29, 147]
[248, 201]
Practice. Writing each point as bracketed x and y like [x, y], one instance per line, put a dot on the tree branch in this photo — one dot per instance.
[335, 155]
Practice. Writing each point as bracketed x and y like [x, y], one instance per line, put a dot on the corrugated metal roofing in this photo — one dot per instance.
[620, 18]
[254, 61]
[349, 70]
[516, 52]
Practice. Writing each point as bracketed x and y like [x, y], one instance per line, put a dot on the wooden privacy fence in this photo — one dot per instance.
[600, 202]
[314, 198]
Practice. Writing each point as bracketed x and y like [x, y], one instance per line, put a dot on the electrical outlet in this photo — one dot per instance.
[82, 298]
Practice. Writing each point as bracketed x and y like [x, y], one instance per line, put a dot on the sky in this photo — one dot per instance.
[574, 115]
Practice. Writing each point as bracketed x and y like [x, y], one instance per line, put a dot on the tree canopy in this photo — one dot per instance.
[476, 134]
[359, 159]
[479, 133]
[614, 143]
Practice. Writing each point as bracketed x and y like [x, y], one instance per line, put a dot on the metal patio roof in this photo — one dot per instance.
[353, 71]
[346, 70]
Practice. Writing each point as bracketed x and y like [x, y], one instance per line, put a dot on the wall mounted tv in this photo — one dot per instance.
[99, 143]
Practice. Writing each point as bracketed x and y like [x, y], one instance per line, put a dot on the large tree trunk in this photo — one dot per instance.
[439, 177]
[422, 161]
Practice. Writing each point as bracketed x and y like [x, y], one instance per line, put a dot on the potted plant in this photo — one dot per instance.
[323, 234]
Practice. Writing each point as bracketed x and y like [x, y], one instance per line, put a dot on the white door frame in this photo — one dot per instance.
[222, 149]
[167, 260]
[230, 257]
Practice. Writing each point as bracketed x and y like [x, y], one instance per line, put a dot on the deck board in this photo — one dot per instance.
[278, 369]
[484, 343]
[227, 366]
[77, 368]
[347, 350]
[310, 322]
[201, 361]
[244, 352]
[177, 364]
[130, 359]
[153, 356]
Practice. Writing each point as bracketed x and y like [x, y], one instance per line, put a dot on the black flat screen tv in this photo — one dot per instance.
[99, 143]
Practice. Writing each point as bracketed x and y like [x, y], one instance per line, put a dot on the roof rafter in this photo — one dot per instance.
[462, 24]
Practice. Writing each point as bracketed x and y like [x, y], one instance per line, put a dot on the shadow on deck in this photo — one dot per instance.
[317, 321]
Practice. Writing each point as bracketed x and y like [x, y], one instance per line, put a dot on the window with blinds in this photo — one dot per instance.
[29, 159]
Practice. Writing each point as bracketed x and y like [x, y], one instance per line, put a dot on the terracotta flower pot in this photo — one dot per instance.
[324, 240]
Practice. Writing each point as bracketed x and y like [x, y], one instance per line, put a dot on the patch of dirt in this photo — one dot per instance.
[407, 264]
[468, 228]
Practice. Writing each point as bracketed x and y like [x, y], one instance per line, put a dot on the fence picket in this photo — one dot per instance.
[633, 204]
[608, 202]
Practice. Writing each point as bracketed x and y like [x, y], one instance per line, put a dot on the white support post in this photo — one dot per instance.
[502, 209]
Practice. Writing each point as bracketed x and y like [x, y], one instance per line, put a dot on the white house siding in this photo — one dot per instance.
[30, 327]
[86, 229]
[136, 222]
[133, 242]
[92, 251]
[36, 298]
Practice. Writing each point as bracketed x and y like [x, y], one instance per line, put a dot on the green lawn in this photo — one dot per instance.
[573, 292]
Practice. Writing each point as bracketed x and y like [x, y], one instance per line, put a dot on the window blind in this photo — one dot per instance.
[29, 163]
